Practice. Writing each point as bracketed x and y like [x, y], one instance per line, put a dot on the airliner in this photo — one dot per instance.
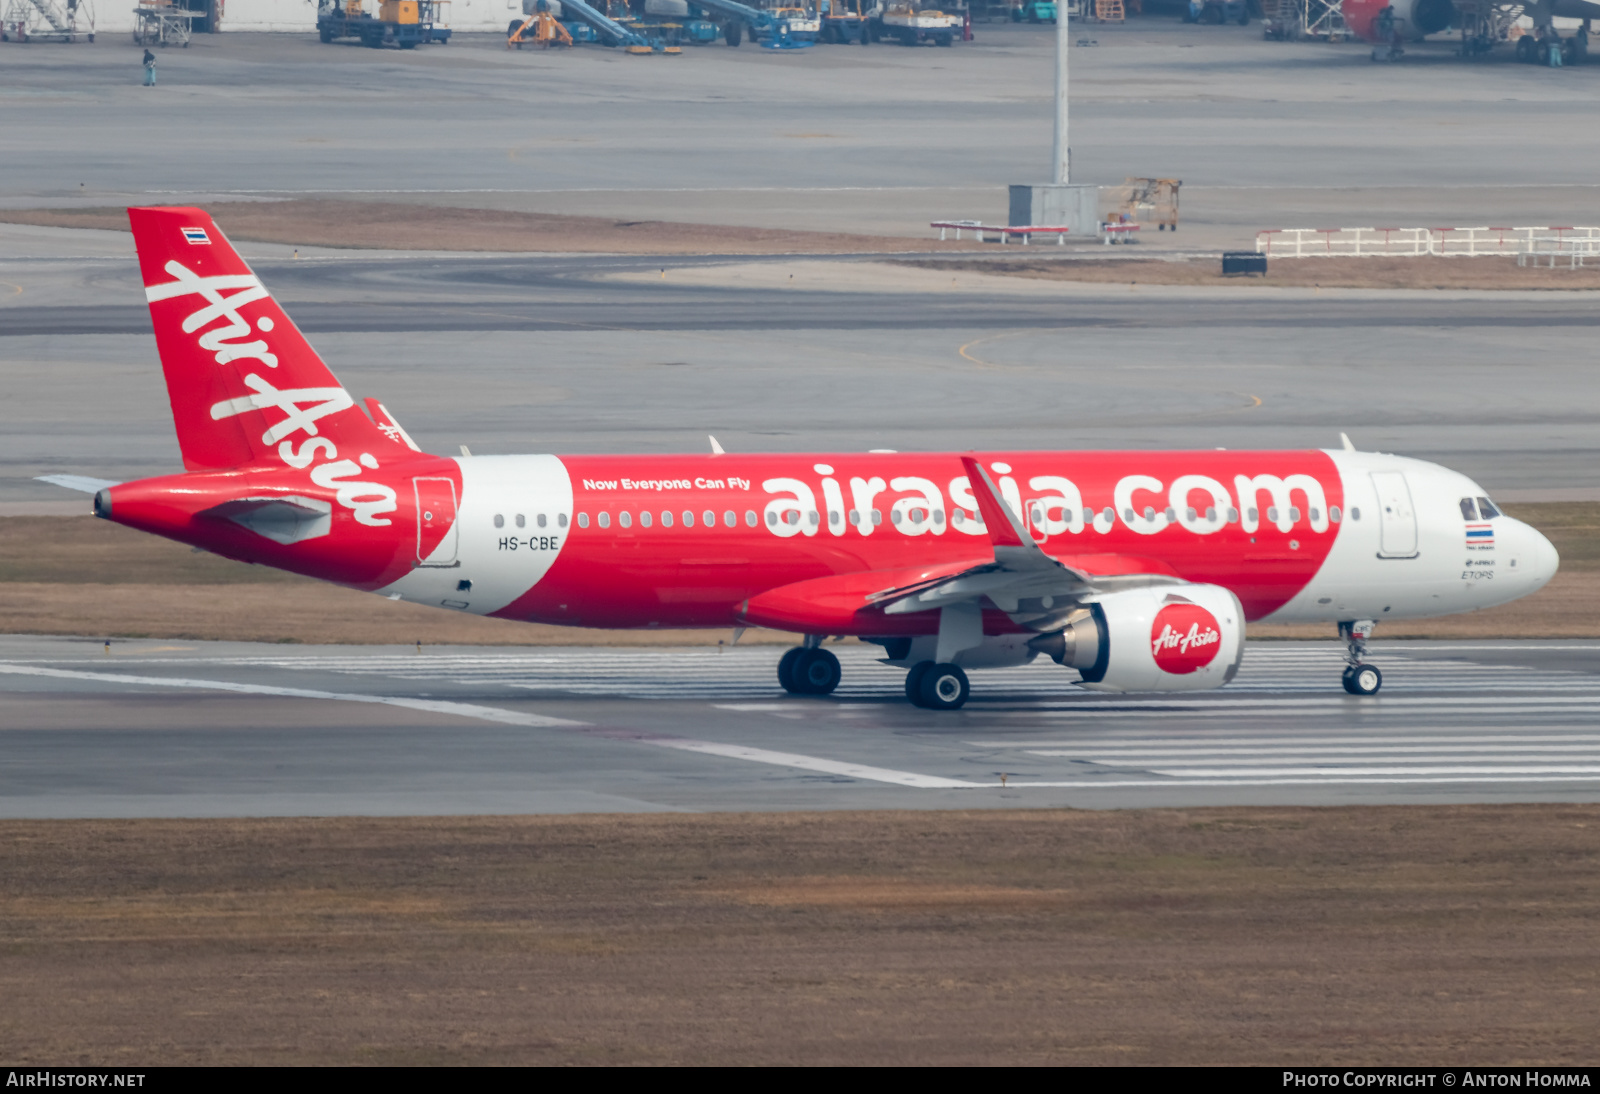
[1136, 571]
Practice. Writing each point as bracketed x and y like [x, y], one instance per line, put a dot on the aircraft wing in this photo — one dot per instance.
[1033, 588]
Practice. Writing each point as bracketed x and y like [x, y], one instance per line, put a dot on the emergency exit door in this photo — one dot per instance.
[436, 521]
[1397, 520]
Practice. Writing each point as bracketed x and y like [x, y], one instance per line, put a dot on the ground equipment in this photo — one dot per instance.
[1146, 200]
[404, 23]
[845, 21]
[539, 29]
[913, 26]
[47, 21]
[1035, 11]
[163, 23]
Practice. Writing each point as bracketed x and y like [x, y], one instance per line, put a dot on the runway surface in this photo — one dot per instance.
[224, 730]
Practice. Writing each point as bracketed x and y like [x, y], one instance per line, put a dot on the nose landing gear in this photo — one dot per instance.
[1359, 678]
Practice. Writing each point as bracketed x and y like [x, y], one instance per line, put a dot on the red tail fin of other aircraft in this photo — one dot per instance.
[231, 354]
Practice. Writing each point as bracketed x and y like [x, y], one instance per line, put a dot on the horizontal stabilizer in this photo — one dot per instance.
[76, 482]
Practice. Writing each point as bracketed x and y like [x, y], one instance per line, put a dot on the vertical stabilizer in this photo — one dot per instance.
[242, 378]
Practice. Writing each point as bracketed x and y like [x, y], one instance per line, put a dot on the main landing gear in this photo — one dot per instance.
[809, 669]
[937, 687]
[1359, 677]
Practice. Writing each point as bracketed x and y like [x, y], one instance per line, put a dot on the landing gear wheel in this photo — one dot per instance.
[786, 665]
[944, 687]
[1363, 679]
[816, 672]
[914, 681]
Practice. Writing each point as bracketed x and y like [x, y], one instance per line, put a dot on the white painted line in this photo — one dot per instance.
[1115, 743]
[510, 717]
[1195, 754]
[812, 763]
[1167, 784]
[432, 706]
[758, 707]
[1289, 772]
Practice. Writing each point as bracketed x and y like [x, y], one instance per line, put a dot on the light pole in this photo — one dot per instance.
[1061, 169]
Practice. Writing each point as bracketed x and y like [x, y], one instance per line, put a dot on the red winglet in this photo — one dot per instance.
[1004, 526]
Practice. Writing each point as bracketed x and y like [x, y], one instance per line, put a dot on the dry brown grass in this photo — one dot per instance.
[80, 576]
[1403, 936]
[391, 226]
[1326, 273]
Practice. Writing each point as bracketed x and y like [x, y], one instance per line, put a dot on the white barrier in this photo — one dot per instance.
[1416, 242]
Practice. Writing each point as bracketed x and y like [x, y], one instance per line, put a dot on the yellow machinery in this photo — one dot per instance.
[398, 11]
[541, 29]
[1150, 200]
[1108, 11]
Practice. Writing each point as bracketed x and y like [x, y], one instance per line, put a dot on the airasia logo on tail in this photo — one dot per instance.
[1184, 638]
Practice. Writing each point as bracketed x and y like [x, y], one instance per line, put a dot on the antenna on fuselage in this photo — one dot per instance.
[716, 449]
[1344, 438]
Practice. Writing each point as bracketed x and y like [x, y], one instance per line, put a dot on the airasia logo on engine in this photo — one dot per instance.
[1184, 638]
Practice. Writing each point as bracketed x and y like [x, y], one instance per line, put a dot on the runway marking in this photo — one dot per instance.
[431, 706]
[1174, 783]
[812, 763]
[516, 718]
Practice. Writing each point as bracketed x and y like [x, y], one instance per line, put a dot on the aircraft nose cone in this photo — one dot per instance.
[1537, 558]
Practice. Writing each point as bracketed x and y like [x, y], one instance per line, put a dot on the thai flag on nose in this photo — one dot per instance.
[1480, 535]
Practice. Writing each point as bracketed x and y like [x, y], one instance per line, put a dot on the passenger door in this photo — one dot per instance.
[1397, 520]
[436, 521]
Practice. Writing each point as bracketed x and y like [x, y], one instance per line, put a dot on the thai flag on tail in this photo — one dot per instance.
[1480, 535]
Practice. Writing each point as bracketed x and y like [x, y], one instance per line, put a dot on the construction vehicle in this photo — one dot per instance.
[1143, 201]
[539, 28]
[404, 23]
[913, 26]
[47, 21]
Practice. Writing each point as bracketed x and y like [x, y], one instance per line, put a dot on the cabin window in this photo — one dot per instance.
[499, 521]
[833, 518]
[938, 516]
[731, 519]
[894, 516]
[877, 516]
[1190, 515]
[958, 517]
[1294, 514]
[1170, 514]
[1355, 513]
[772, 518]
[522, 521]
[792, 517]
[815, 520]
[1253, 514]
[1469, 509]
[688, 518]
[1150, 513]
[583, 520]
[710, 518]
[855, 516]
[1108, 514]
[605, 520]
[1334, 514]
[625, 519]
[1272, 514]
[1233, 515]
[1035, 514]
[1316, 515]
[750, 518]
[644, 519]
[541, 520]
[561, 520]
[1128, 515]
[1487, 509]
[666, 518]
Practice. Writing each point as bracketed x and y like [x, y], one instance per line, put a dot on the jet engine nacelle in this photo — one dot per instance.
[1163, 638]
[1412, 18]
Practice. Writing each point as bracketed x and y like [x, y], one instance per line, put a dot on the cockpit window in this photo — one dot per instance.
[1487, 509]
[1469, 511]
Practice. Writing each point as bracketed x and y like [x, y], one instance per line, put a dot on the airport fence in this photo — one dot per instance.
[1572, 243]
